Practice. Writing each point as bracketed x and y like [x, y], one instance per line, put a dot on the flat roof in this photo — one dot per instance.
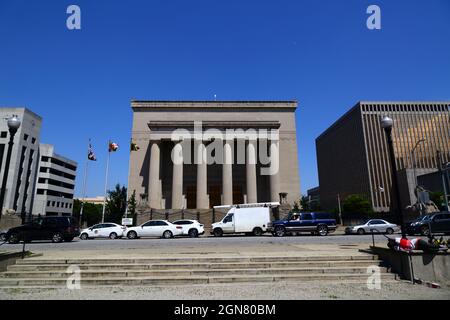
[361, 103]
[291, 104]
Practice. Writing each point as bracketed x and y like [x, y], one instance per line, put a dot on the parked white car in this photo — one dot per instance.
[154, 228]
[103, 230]
[378, 225]
[191, 228]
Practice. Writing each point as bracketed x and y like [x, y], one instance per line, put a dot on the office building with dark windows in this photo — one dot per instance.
[352, 154]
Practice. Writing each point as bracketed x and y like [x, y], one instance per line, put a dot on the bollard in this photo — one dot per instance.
[213, 215]
[167, 215]
[373, 238]
[151, 214]
[182, 214]
[198, 216]
[23, 249]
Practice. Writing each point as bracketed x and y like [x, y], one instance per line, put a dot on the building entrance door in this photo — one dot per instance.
[214, 196]
[191, 197]
[238, 196]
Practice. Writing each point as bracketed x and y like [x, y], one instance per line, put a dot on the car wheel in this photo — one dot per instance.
[322, 230]
[389, 231]
[132, 235]
[280, 231]
[14, 238]
[257, 232]
[113, 235]
[218, 232]
[84, 236]
[193, 233]
[361, 231]
[424, 230]
[57, 237]
[167, 234]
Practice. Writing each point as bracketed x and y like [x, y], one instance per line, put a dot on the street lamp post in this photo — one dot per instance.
[386, 124]
[13, 125]
[413, 158]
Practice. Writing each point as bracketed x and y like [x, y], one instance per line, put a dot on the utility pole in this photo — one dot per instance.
[444, 184]
[339, 206]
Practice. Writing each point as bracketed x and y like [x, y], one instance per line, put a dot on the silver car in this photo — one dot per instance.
[377, 225]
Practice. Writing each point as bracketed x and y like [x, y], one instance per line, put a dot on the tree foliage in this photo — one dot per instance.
[116, 204]
[132, 203]
[356, 205]
[92, 213]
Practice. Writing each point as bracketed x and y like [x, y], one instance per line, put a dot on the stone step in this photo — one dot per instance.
[37, 261]
[26, 282]
[185, 272]
[193, 266]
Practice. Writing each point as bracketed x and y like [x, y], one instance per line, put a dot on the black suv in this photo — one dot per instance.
[57, 229]
[438, 223]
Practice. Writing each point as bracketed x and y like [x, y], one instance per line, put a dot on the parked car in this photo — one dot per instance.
[191, 228]
[251, 218]
[57, 229]
[438, 222]
[154, 228]
[378, 225]
[103, 230]
[314, 222]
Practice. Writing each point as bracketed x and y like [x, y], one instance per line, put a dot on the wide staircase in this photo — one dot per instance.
[41, 272]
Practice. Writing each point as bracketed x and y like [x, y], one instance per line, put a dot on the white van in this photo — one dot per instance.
[251, 218]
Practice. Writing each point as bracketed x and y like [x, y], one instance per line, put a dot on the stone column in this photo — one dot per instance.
[227, 173]
[154, 193]
[202, 177]
[251, 171]
[274, 171]
[177, 176]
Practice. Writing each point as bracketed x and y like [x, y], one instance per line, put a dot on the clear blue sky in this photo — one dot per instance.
[318, 52]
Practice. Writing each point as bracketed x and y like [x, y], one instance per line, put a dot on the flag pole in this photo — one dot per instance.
[106, 182]
[84, 188]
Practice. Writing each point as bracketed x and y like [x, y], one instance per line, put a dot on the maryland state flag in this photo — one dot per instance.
[133, 146]
[91, 154]
[113, 147]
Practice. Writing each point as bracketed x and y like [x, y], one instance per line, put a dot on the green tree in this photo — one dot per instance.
[132, 206]
[92, 213]
[304, 201]
[116, 203]
[356, 206]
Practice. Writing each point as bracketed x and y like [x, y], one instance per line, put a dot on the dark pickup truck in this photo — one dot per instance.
[316, 223]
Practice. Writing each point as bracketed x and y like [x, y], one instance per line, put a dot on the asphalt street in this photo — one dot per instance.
[205, 243]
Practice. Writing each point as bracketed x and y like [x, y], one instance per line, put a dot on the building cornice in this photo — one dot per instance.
[141, 105]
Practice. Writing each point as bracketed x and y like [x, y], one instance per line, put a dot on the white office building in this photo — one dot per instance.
[55, 183]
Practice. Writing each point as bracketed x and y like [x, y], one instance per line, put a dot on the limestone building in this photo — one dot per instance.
[24, 159]
[198, 154]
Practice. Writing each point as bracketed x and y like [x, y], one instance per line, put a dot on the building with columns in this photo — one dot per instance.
[199, 154]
